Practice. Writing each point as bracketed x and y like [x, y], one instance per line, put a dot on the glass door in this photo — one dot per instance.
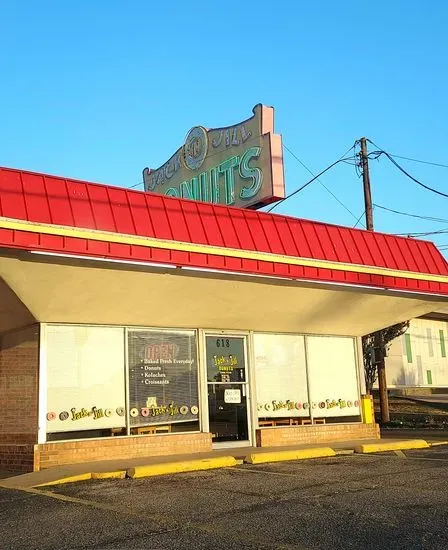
[227, 388]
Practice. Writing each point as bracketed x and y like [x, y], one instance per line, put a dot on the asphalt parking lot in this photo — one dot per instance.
[394, 500]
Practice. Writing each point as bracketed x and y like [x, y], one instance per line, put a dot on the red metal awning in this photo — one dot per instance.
[59, 215]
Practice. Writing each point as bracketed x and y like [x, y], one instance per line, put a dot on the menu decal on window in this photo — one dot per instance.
[162, 377]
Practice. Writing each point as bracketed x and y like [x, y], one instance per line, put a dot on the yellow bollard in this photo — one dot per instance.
[368, 413]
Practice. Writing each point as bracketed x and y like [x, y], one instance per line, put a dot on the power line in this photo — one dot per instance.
[415, 179]
[359, 219]
[136, 185]
[323, 185]
[439, 164]
[382, 152]
[429, 218]
[341, 159]
[306, 184]
[420, 161]
[410, 234]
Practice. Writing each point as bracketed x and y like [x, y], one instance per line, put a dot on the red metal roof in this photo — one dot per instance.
[66, 202]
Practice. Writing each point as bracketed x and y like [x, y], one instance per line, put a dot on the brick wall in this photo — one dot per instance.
[16, 458]
[322, 433]
[19, 360]
[47, 455]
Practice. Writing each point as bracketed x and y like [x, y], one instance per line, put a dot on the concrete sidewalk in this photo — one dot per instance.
[32, 479]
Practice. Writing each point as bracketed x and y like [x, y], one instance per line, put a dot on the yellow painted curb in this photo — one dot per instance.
[392, 446]
[438, 443]
[118, 474]
[182, 466]
[70, 479]
[279, 456]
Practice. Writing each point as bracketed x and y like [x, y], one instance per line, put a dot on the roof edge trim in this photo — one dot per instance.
[151, 242]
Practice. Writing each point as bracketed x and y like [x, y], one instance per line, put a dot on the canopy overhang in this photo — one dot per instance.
[56, 289]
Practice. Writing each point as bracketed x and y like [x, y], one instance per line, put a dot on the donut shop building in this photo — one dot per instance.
[138, 324]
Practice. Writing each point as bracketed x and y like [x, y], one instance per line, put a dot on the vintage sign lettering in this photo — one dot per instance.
[241, 165]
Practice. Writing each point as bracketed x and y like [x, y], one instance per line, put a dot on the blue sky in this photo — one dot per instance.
[99, 90]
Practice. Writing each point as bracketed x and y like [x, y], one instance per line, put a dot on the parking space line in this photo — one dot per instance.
[400, 454]
[264, 472]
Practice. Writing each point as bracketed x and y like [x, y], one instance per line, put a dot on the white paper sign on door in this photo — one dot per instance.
[232, 396]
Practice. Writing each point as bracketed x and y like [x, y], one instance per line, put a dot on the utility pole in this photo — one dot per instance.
[366, 182]
[378, 337]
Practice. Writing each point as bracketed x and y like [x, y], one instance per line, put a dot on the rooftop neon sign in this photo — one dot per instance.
[240, 165]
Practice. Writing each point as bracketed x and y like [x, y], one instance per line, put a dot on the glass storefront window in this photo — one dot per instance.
[280, 370]
[332, 372]
[305, 379]
[86, 381]
[163, 381]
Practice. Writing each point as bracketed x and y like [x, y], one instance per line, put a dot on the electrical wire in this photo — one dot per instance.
[410, 234]
[382, 152]
[420, 161]
[323, 185]
[359, 219]
[341, 159]
[305, 184]
[429, 218]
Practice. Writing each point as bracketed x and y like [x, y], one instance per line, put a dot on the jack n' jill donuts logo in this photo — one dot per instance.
[195, 148]
[239, 165]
